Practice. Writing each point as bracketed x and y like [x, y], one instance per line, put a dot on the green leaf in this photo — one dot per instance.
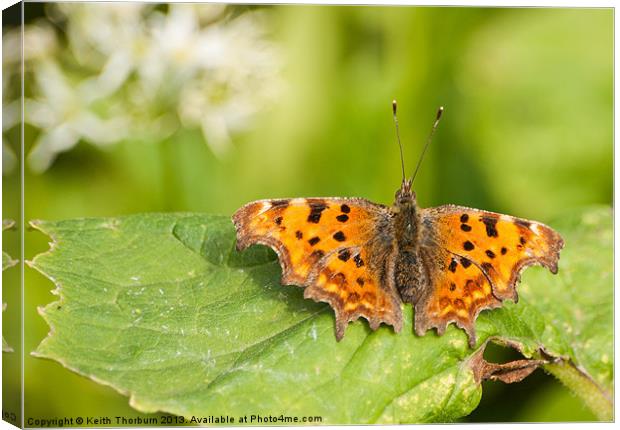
[162, 308]
[7, 262]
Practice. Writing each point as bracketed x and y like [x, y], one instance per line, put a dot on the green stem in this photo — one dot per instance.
[597, 399]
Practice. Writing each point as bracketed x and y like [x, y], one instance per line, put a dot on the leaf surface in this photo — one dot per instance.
[162, 308]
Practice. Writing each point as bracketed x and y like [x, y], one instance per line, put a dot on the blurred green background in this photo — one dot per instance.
[527, 130]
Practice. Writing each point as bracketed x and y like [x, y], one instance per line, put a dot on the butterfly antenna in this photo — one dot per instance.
[428, 141]
[402, 160]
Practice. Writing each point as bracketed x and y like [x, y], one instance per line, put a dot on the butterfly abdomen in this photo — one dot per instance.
[408, 276]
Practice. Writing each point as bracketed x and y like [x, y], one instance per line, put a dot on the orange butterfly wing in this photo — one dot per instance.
[327, 246]
[477, 257]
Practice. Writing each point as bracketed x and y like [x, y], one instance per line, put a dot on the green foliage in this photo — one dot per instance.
[7, 262]
[162, 308]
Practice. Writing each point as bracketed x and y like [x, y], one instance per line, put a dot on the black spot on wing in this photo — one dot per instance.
[279, 203]
[486, 266]
[468, 246]
[278, 220]
[339, 236]
[490, 222]
[504, 250]
[299, 234]
[489, 253]
[358, 260]
[314, 240]
[452, 266]
[523, 223]
[465, 263]
[343, 218]
[344, 254]
[344, 208]
[315, 211]
[464, 218]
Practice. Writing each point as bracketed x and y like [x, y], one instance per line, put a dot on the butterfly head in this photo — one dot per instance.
[405, 196]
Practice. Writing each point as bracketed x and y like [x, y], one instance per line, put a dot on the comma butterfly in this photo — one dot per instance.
[365, 259]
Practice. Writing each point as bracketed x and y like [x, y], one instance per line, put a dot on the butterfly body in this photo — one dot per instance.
[409, 277]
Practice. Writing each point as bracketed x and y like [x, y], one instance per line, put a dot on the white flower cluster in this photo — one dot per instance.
[138, 71]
